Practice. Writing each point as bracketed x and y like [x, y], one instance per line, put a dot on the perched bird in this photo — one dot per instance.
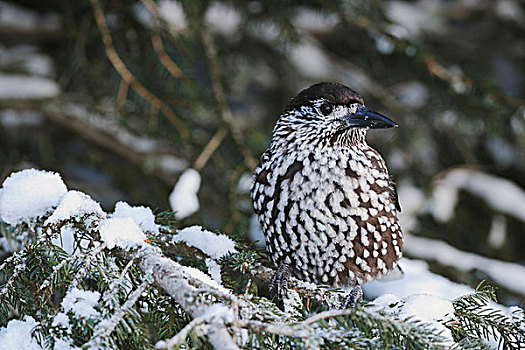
[324, 198]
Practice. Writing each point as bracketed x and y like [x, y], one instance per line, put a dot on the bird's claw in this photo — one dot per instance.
[353, 297]
[279, 284]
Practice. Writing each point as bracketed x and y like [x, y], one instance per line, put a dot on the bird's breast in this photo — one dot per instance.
[328, 213]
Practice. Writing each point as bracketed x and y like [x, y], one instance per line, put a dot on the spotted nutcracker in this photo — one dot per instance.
[324, 198]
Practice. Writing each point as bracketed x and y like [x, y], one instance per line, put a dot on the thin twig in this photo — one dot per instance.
[82, 270]
[323, 315]
[220, 98]
[121, 95]
[105, 328]
[156, 41]
[103, 131]
[170, 276]
[299, 330]
[124, 72]
[210, 147]
[272, 328]
[180, 337]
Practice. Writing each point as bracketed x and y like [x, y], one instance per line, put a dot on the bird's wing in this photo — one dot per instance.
[393, 193]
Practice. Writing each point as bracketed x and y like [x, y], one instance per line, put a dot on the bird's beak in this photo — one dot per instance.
[365, 118]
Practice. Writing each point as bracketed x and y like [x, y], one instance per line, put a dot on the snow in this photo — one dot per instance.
[421, 307]
[18, 19]
[29, 194]
[502, 152]
[311, 60]
[429, 308]
[498, 232]
[384, 44]
[255, 233]
[412, 94]
[25, 59]
[412, 199]
[510, 10]
[61, 319]
[191, 272]
[75, 204]
[219, 311]
[81, 303]
[169, 10]
[213, 245]
[63, 344]
[173, 13]
[22, 86]
[13, 119]
[224, 19]
[315, 21]
[500, 194]
[143, 216]
[245, 183]
[171, 164]
[108, 125]
[508, 275]
[66, 240]
[121, 232]
[214, 270]
[17, 335]
[183, 199]
[415, 18]
[418, 279]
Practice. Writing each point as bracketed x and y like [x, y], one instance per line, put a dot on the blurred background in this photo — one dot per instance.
[122, 97]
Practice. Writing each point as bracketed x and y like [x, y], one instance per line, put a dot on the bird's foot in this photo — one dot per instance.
[353, 297]
[279, 283]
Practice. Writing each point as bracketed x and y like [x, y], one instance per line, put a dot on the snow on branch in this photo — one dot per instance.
[102, 293]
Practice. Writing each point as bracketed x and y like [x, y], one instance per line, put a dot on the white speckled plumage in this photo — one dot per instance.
[324, 198]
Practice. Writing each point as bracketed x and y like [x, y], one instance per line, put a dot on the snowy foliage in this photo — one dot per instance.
[215, 246]
[142, 216]
[121, 232]
[74, 204]
[30, 194]
[86, 280]
[17, 335]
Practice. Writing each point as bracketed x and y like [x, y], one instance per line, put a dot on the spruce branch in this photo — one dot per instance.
[85, 266]
[106, 327]
[128, 77]
[180, 337]
[220, 97]
[168, 275]
[477, 319]
[156, 40]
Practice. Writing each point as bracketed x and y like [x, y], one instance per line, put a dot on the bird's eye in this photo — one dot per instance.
[326, 108]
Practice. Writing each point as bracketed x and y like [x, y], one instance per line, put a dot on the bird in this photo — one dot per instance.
[327, 205]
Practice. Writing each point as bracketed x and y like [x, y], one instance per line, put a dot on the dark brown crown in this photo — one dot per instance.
[334, 93]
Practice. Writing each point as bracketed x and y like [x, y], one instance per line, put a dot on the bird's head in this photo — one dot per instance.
[328, 113]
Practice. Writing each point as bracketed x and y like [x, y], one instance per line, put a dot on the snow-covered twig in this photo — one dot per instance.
[181, 336]
[106, 327]
[299, 330]
[57, 268]
[272, 328]
[81, 272]
[170, 276]
[19, 268]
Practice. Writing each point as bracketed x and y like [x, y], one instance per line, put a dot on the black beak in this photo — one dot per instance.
[365, 118]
